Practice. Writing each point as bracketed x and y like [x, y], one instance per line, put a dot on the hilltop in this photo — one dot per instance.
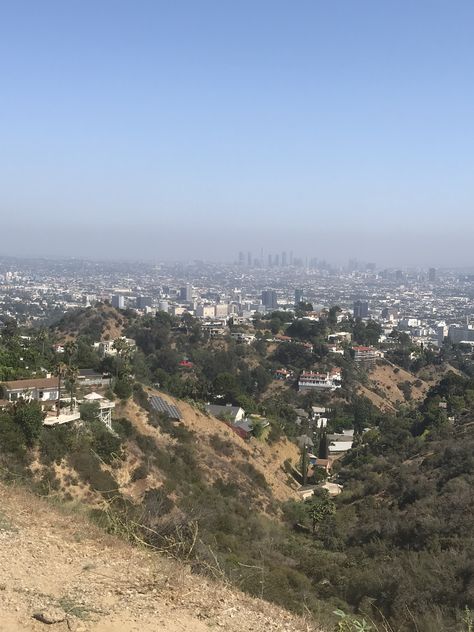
[100, 322]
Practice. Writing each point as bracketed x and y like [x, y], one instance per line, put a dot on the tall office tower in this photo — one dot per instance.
[432, 275]
[299, 296]
[249, 259]
[186, 293]
[269, 299]
[277, 260]
[291, 257]
[361, 309]
[371, 267]
[270, 262]
[241, 258]
[118, 301]
[283, 258]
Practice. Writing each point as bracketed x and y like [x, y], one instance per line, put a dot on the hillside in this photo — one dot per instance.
[221, 455]
[56, 564]
[221, 452]
[388, 386]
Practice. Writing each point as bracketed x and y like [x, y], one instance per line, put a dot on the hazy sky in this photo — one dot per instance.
[172, 129]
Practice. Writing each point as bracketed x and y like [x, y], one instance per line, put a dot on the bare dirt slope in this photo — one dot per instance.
[383, 387]
[56, 565]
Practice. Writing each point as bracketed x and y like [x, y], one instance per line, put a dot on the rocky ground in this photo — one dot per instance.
[60, 573]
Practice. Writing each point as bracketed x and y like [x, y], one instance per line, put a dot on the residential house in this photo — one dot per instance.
[365, 355]
[282, 374]
[106, 347]
[312, 380]
[90, 377]
[229, 412]
[339, 443]
[39, 389]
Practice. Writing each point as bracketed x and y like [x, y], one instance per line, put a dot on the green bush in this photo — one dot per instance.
[123, 387]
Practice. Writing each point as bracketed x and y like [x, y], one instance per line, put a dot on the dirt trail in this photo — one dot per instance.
[55, 563]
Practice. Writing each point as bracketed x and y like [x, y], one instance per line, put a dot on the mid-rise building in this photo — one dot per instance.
[361, 309]
[118, 301]
[299, 296]
[459, 333]
[205, 311]
[269, 299]
[186, 293]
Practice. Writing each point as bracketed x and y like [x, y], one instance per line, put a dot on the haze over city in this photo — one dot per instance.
[194, 130]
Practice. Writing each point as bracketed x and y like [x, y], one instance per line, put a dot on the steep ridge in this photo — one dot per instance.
[58, 566]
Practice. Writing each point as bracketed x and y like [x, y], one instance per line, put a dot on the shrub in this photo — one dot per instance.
[123, 427]
[141, 471]
[257, 477]
[107, 445]
[90, 411]
[55, 443]
[87, 465]
[224, 446]
[123, 387]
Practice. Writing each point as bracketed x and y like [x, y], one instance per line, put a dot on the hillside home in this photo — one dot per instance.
[106, 347]
[240, 336]
[312, 380]
[339, 443]
[90, 377]
[365, 355]
[39, 389]
[228, 412]
[340, 336]
[282, 374]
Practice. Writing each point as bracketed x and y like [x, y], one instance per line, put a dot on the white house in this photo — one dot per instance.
[312, 380]
[233, 413]
[40, 389]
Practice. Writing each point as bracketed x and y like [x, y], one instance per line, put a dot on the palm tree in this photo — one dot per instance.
[123, 350]
[70, 350]
[59, 371]
[42, 337]
[71, 374]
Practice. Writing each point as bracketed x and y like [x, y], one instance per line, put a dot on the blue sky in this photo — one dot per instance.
[200, 128]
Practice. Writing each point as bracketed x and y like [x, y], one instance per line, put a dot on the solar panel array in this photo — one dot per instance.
[161, 406]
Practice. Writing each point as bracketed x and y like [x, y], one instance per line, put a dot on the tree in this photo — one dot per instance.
[60, 372]
[319, 508]
[323, 450]
[257, 429]
[42, 336]
[90, 411]
[71, 375]
[332, 315]
[70, 351]
[29, 418]
[123, 387]
[364, 413]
